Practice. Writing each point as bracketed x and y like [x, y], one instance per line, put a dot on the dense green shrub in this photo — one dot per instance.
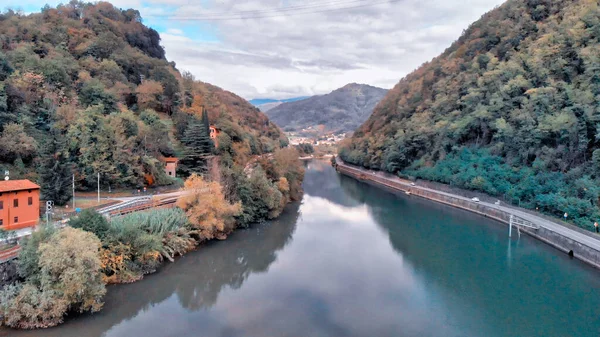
[305, 148]
[62, 274]
[553, 193]
[135, 244]
[91, 221]
[29, 256]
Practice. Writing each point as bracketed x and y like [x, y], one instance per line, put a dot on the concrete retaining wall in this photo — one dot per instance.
[565, 244]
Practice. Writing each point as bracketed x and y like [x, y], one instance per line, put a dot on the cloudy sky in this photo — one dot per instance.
[288, 48]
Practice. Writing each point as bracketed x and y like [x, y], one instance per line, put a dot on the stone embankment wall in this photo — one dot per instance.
[576, 249]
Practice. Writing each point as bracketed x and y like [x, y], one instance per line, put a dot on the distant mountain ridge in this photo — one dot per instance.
[342, 110]
[260, 101]
[266, 104]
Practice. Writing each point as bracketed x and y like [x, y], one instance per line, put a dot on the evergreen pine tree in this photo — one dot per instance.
[54, 170]
[205, 122]
[198, 146]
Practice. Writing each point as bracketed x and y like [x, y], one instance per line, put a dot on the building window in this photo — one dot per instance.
[1, 204]
[16, 203]
[169, 173]
[16, 219]
[30, 201]
[1, 222]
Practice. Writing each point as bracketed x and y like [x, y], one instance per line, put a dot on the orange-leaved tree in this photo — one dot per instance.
[209, 213]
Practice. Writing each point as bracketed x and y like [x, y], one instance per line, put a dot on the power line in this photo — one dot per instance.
[208, 18]
[300, 12]
[273, 10]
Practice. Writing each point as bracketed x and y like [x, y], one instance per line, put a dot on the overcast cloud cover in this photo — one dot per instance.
[282, 56]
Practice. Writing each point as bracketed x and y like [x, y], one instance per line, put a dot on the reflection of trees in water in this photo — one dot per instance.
[467, 258]
[197, 278]
[414, 224]
[321, 180]
[231, 263]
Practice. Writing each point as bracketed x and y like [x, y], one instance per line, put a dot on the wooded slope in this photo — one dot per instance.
[511, 108]
[86, 89]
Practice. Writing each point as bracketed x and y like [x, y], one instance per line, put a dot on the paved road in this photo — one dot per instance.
[161, 196]
[591, 240]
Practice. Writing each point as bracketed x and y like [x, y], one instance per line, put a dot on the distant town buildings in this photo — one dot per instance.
[19, 204]
[327, 139]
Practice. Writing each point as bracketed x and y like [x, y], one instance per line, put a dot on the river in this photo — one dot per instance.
[354, 260]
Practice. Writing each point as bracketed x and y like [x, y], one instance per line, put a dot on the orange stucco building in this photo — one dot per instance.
[171, 166]
[19, 204]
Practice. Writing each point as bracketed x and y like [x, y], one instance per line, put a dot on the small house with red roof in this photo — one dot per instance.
[214, 133]
[19, 204]
[171, 166]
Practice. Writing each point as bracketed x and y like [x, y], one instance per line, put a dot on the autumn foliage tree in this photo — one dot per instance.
[210, 215]
[66, 277]
[15, 143]
[149, 95]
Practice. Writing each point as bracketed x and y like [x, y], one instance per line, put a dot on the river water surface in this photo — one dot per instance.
[354, 260]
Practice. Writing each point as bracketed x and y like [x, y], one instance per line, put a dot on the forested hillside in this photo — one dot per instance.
[511, 108]
[342, 110]
[86, 89]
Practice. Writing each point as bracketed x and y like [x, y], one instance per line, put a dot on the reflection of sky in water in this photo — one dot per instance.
[369, 291]
[357, 261]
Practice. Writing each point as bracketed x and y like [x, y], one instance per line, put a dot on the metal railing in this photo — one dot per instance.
[520, 222]
[126, 204]
[142, 207]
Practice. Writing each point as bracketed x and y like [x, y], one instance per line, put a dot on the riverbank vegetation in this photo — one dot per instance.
[85, 89]
[64, 270]
[510, 108]
[61, 273]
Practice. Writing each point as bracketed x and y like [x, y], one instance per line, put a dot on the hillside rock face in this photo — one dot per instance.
[341, 110]
[511, 108]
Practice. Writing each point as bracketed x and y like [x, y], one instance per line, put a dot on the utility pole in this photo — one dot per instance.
[98, 187]
[73, 192]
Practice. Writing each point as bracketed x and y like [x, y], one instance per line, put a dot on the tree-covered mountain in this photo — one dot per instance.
[511, 108]
[342, 110]
[86, 89]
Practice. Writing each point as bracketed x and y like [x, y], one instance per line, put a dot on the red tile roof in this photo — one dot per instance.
[171, 160]
[17, 185]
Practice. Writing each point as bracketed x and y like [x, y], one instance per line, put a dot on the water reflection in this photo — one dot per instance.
[322, 181]
[193, 281]
[528, 290]
[353, 260]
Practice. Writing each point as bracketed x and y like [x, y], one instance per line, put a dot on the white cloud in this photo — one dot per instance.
[282, 56]
[175, 31]
[299, 55]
